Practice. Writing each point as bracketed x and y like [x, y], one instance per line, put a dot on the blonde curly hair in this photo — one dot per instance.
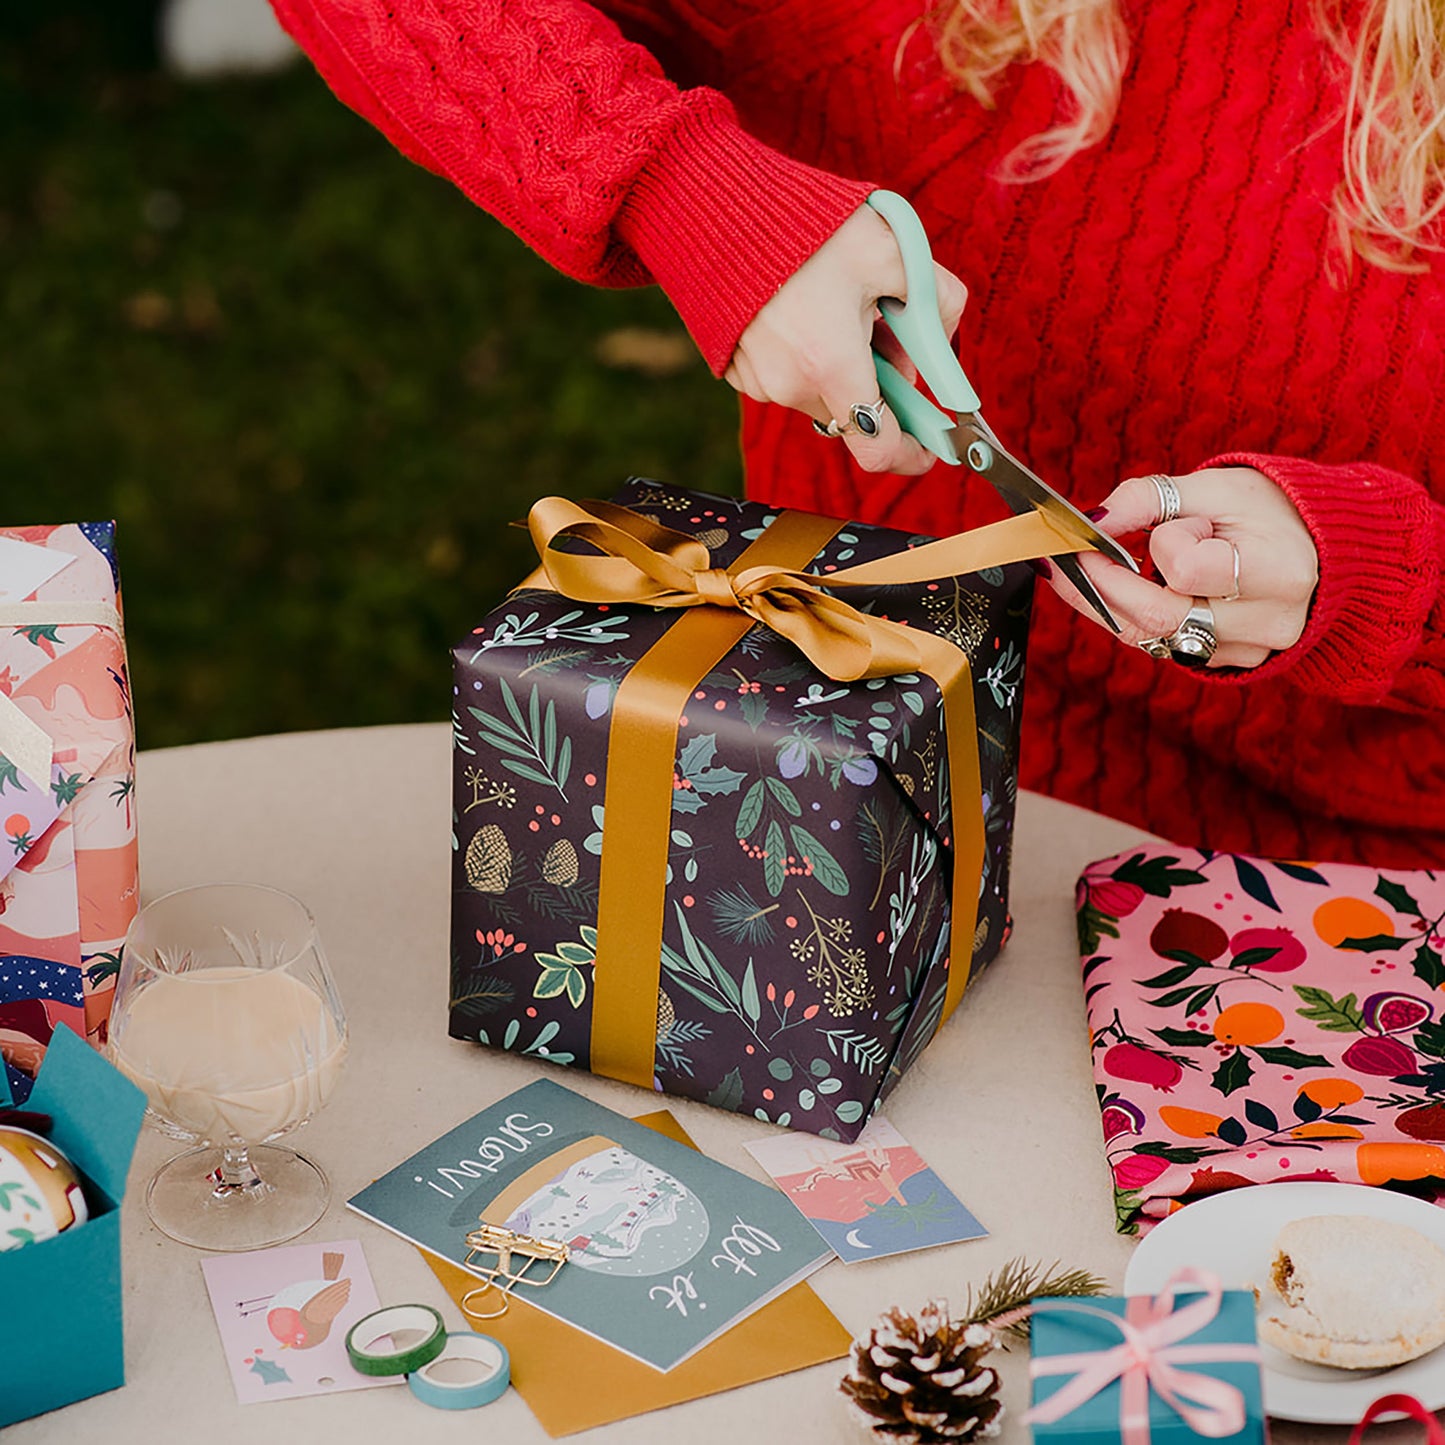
[1392, 189]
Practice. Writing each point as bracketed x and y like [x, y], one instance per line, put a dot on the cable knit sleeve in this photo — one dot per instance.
[1376, 630]
[547, 117]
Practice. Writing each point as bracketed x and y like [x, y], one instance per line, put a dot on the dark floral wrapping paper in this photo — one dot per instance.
[806, 926]
[1256, 1020]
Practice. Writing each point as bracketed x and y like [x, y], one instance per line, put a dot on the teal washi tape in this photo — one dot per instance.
[471, 1370]
[396, 1340]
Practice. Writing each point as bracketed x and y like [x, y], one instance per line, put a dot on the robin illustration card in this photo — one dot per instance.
[283, 1315]
[635, 1238]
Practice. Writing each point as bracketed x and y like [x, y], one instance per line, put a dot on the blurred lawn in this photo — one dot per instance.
[309, 380]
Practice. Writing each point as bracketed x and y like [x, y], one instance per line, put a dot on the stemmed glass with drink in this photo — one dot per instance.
[227, 1015]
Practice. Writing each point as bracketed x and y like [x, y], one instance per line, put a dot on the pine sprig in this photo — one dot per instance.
[1000, 1298]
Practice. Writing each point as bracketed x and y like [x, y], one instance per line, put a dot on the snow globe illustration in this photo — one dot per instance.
[618, 1214]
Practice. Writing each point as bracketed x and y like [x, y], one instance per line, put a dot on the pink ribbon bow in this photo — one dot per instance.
[1148, 1359]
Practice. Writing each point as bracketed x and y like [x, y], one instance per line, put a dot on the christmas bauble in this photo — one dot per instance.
[40, 1193]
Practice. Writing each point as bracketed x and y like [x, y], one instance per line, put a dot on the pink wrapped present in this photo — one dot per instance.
[68, 886]
[1256, 1020]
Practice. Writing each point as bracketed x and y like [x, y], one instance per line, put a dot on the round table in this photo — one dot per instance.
[354, 823]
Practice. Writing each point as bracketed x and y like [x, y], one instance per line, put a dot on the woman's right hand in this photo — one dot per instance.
[810, 347]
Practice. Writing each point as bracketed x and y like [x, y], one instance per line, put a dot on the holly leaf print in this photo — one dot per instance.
[1430, 1039]
[1156, 875]
[1398, 897]
[1427, 966]
[1234, 1073]
[1340, 1016]
[695, 763]
[729, 1093]
[1254, 883]
[1375, 943]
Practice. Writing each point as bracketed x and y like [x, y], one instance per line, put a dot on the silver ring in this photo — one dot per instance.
[1170, 502]
[1233, 595]
[868, 419]
[1192, 643]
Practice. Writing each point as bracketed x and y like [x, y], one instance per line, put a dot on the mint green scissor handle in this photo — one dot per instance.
[916, 325]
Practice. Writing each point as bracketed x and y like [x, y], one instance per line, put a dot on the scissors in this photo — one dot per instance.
[966, 437]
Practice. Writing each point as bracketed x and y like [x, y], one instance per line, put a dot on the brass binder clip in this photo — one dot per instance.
[515, 1255]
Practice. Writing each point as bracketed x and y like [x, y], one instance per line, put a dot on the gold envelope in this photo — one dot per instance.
[572, 1381]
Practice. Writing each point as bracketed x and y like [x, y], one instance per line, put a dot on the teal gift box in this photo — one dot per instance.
[1059, 1328]
[60, 1299]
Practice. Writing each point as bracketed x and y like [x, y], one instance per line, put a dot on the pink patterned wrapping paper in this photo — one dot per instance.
[68, 863]
[1256, 1020]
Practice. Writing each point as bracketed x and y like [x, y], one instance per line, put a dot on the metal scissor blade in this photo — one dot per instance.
[1016, 484]
[1024, 492]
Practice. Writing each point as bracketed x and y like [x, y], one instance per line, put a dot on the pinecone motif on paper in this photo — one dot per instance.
[560, 865]
[666, 1014]
[922, 1381]
[488, 860]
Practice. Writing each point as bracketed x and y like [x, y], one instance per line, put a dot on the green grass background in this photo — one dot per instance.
[310, 381]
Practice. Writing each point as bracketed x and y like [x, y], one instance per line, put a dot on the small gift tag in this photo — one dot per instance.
[1406, 1405]
[874, 1197]
[24, 568]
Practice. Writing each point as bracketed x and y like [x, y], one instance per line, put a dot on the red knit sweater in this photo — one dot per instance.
[1164, 301]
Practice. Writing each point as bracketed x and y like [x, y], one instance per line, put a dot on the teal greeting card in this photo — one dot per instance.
[667, 1248]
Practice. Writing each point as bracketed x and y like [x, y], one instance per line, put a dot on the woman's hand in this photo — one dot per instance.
[809, 347]
[1236, 533]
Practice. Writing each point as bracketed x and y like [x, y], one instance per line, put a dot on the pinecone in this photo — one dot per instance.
[920, 1381]
[488, 860]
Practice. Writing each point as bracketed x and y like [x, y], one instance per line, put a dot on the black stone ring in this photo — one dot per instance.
[1192, 643]
[868, 419]
[865, 420]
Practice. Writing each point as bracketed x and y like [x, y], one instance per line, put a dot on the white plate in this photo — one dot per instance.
[1233, 1235]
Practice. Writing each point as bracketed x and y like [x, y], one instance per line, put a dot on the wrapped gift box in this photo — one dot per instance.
[805, 927]
[1072, 1328]
[67, 769]
[66, 1343]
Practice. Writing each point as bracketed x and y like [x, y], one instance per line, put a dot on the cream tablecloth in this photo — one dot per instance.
[355, 823]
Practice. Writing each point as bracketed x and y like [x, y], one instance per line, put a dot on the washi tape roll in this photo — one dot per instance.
[471, 1370]
[396, 1340]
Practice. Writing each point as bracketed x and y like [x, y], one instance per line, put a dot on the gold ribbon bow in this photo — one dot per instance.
[639, 561]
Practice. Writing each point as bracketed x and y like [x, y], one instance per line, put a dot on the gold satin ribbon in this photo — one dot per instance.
[643, 562]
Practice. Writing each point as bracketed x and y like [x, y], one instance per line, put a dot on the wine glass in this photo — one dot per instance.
[227, 1016]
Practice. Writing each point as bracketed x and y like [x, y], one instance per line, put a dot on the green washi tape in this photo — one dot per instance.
[396, 1340]
[471, 1370]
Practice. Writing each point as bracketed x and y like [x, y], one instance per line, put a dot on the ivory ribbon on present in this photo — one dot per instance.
[1147, 1360]
[643, 562]
[23, 740]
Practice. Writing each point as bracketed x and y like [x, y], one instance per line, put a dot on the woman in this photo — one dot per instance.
[1196, 244]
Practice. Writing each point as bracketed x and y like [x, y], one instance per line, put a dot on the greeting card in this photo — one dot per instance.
[667, 1248]
[873, 1197]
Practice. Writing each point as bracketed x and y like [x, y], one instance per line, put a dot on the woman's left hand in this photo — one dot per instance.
[1237, 543]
